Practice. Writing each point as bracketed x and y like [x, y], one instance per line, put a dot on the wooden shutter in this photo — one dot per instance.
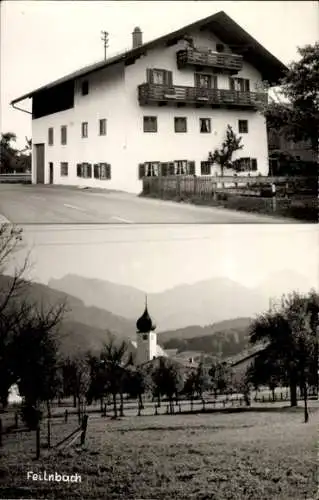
[231, 84]
[253, 164]
[196, 80]
[168, 78]
[191, 168]
[149, 76]
[89, 170]
[96, 171]
[214, 82]
[108, 171]
[164, 169]
[78, 169]
[171, 168]
[141, 170]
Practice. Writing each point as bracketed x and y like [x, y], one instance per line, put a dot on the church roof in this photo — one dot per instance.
[145, 323]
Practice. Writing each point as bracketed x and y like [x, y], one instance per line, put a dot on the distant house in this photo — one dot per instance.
[156, 109]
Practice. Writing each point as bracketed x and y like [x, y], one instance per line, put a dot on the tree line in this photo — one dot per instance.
[30, 355]
[13, 159]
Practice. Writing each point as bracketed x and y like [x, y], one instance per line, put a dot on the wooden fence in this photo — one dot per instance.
[208, 186]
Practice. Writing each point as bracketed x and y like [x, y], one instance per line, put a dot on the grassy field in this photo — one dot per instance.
[253, 455]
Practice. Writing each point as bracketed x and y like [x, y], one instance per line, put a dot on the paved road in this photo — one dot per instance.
[34, 204]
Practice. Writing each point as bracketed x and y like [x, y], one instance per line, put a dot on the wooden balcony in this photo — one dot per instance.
[151, 94]
[231, 63]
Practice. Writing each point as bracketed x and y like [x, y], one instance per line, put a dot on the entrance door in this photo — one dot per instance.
[39, 158]
[51, 173]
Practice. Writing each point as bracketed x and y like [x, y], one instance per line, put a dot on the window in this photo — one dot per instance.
[159, 77]
[64, 169]
[243, 126]
[150, 123]
[85, 88]
[63, 135]
[84, 170]
[205, 125]
[155, 168]
[102, 126]
[220, 47]
[205, 168]
[203, 81]
[50, 136]
[180, 124]
[102, 171]
[245, 165]
[84, 129]
[152, 169]
[239, 84]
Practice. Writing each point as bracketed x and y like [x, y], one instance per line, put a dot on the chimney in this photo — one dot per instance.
[137, 38]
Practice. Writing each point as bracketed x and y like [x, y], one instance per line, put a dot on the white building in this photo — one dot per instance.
[157, 108]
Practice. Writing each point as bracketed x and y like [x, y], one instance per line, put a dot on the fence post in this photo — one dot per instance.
[1, 432]
[84, 428]
[49, 433]
[37, 438]
[66, 414]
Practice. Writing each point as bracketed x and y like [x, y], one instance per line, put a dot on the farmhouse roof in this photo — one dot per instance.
[225, 28]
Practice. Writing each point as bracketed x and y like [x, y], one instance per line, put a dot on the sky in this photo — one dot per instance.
[154, 258]
[44, 40]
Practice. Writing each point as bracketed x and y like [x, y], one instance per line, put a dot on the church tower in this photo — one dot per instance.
[146, 338]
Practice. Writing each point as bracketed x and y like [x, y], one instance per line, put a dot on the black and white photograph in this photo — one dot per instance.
[159, 112]
[159, 250]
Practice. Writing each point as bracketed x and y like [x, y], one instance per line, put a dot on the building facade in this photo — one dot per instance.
[157, 109]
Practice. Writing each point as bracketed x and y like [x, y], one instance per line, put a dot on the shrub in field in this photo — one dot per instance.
[31, 416]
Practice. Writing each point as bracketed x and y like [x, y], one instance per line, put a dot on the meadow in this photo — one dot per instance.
[262, 455]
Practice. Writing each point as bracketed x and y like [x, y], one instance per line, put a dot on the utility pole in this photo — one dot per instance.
[105, 39]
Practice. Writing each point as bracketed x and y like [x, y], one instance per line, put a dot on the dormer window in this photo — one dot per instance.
[85, 87]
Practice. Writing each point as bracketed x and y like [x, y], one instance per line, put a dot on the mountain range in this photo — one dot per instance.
[200, 304]
[210, 317]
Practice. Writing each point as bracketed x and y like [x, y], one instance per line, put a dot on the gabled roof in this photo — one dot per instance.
[227, 30]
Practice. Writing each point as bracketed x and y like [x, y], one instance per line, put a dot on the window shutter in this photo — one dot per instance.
[149, 76]
[214, 84]
[141, 170]
[89, 170]
[196, 78]
[247, 87]
[96, 171]
[108, 171]
[164, 169]
[191, 168]
[78, 169]
[254, 164]
[171, 168]
[231, 84]
[168, 78]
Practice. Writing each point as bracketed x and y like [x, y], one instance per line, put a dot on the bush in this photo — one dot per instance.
[31, 416]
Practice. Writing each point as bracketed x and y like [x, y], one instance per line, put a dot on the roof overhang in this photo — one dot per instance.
[227, 30]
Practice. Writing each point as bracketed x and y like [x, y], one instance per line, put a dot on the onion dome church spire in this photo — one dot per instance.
[145, 323]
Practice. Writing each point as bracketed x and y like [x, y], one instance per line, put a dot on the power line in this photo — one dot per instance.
[116, 242]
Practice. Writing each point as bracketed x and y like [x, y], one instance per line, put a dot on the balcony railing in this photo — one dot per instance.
[150, 94]
[195, 57]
